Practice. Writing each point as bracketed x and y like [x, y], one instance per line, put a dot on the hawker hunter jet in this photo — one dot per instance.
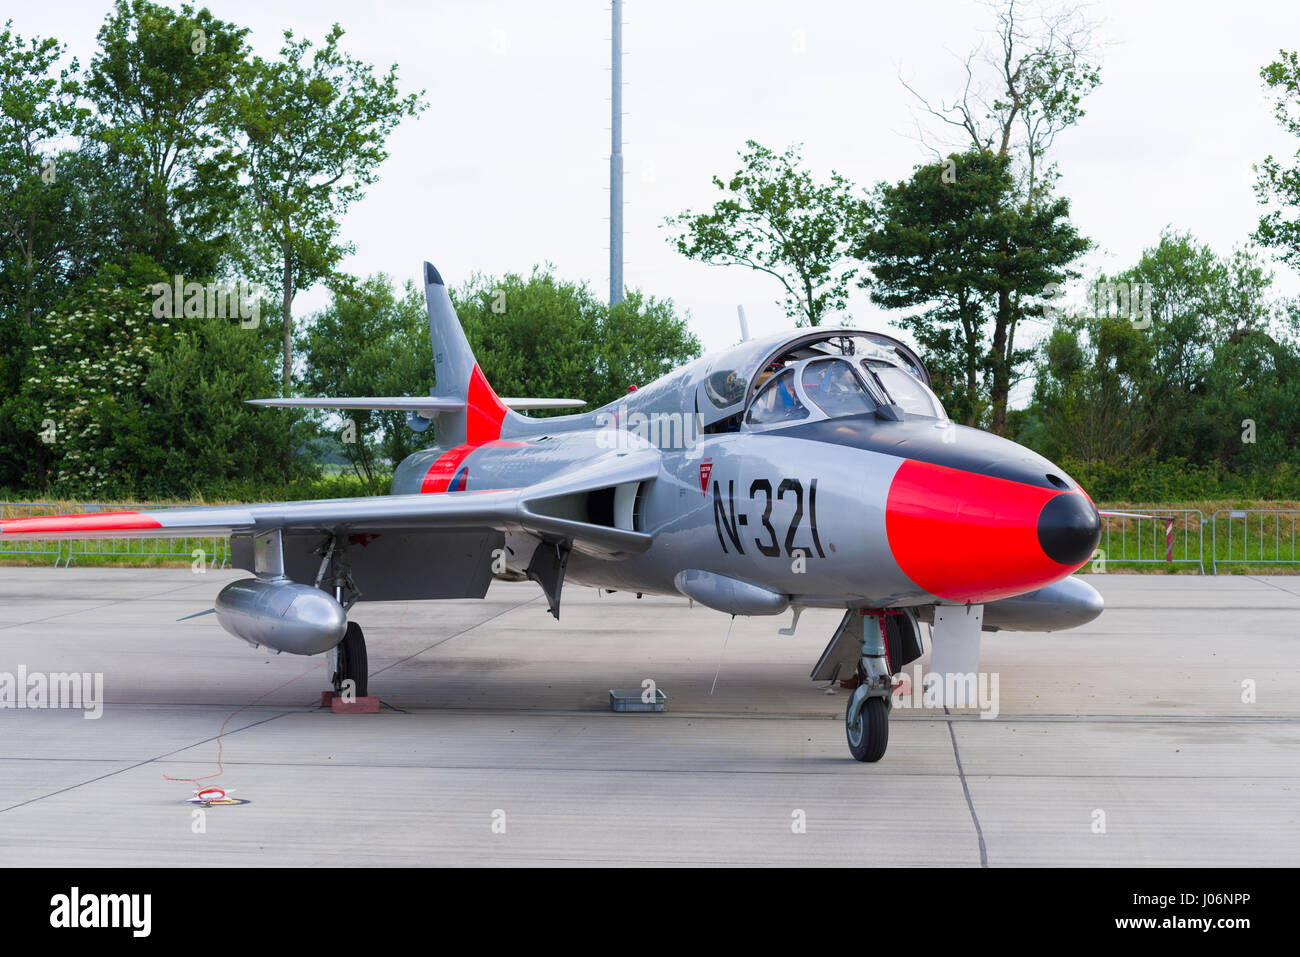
[809, 469]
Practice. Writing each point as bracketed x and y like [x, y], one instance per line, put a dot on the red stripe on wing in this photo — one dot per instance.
[93, 522]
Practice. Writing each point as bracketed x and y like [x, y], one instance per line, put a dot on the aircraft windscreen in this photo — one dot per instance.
[777, 402]
[725, 387]
[905, 389]
[833, 385]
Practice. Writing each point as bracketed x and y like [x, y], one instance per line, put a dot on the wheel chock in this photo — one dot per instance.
[336, 704]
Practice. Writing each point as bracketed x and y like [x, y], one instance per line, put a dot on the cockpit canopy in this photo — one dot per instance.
[782, 380]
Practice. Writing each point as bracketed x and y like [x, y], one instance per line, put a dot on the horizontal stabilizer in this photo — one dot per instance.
[426, 405]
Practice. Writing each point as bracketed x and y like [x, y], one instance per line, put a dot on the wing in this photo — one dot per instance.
[545, 509]
[406, 546]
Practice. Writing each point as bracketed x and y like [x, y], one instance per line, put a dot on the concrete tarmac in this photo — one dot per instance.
[1167, 732]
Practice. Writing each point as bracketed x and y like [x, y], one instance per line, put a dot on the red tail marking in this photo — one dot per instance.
[485, 413]
[444, 468]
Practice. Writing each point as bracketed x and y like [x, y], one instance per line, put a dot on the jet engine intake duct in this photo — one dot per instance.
[282, 615]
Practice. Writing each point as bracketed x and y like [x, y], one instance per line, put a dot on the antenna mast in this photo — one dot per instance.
[616, 159]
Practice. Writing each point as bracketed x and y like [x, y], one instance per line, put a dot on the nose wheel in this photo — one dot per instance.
[350, 662]
[867, 728]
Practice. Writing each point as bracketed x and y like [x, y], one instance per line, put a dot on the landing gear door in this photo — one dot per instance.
[840, 659]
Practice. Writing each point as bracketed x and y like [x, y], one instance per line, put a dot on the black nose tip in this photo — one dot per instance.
[1069, 528]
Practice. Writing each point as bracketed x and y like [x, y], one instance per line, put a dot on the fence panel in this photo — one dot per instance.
[45, 549]
[1254, 536]
[215, 551]
[1149, 535]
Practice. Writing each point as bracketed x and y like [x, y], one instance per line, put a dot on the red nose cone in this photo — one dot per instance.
[975, 538]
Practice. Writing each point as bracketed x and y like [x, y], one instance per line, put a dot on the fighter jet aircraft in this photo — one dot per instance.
[809, 469]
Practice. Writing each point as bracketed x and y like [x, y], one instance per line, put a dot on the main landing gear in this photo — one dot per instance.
[351, 675]
[350, 662]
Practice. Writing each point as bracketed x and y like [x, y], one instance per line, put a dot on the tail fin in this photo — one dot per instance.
[458, 376]
[468, 411]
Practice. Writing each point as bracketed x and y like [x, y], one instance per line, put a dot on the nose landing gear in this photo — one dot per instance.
[876, 644]
[866, 719]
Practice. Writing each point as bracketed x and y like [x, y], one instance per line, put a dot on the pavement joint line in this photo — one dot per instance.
[416, 711]
[465, 630]
[1273, 585]
[832, 763]
[818, 767]
[138, 764]
[965, 789]
[108, 604]
[1144, 607]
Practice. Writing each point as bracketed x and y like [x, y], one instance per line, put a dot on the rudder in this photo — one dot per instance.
[457, 374]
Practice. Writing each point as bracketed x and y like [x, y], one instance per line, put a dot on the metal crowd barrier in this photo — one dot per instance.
[1166, 535]
[215, 550]
[46, 549]
[1277, 548]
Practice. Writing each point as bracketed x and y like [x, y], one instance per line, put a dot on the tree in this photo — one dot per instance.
[369, 342]
[315, 123]
[38, 110]
[776, 219]
[1091, 396]
[200, 435]
[83, 387]
[159, 83]
[42, 218]
[1218, 352]
[641, 339]
[1029, 88]
[1280, 228]
[951, 240]
[543, 337]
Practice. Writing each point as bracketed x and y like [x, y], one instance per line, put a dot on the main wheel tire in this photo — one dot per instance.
[869, 741]
[352, 661]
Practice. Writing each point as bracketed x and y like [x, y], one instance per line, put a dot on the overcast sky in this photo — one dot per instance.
[509, 165]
